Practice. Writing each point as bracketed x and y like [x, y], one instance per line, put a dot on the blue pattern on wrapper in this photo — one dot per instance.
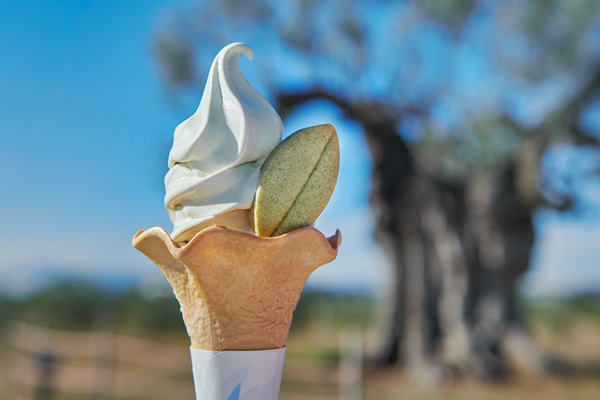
[220, 375]
[235, 395]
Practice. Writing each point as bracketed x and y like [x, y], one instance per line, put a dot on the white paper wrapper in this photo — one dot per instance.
[237, 375]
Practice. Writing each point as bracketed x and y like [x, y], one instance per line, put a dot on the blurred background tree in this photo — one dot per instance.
[462, 104]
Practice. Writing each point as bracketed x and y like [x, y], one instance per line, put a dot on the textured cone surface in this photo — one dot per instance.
[297, 181]
[238, 291]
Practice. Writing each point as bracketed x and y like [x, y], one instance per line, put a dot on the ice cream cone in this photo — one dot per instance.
[238, 291]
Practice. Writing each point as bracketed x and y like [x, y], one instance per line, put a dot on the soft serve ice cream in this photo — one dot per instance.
[238, 287]
[218, 152]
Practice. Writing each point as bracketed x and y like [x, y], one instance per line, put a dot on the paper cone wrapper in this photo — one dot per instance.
[237, 375]
[238, 291]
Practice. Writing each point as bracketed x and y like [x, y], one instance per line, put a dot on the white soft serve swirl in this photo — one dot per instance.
[217, 152]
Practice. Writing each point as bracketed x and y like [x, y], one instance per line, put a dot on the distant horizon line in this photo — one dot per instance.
[119, 283]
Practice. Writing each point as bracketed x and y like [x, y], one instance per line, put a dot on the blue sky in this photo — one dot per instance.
[86, 123]
[85, 137]
[85, 132]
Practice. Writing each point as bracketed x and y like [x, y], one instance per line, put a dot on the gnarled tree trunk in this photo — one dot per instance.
[456, 252]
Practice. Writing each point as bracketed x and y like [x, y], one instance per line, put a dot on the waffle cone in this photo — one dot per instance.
[238, 291]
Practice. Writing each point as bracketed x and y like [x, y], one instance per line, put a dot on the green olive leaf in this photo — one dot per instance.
[297, 181]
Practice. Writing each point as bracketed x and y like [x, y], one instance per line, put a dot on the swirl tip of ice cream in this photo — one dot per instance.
[218, 152]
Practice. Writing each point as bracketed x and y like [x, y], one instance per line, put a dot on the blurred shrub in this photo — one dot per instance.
[74, 305]
[334, 308]
[559, 315]
[8, 310]
[66, 305]
[140, 314]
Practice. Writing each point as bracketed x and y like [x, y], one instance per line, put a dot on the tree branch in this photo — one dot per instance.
[363, 111]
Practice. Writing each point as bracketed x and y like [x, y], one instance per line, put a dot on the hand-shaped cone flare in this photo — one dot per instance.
[237, 291]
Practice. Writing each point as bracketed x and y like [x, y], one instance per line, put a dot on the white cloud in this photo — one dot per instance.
[92, 255]
[361, 263]
[566, 260]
